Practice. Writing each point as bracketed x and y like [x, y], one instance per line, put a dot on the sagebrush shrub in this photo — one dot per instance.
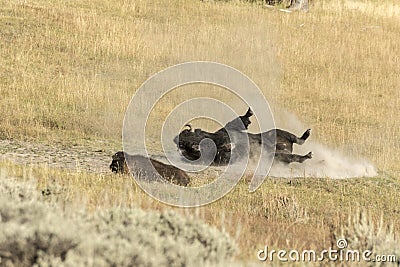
[362, 233]
[33, 233]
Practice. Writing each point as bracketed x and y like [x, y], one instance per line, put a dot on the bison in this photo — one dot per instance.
[188, 141]
[139, 165]
[284, 141]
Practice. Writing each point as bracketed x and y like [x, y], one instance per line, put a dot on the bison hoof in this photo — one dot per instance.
[306, 134]
[305, 157]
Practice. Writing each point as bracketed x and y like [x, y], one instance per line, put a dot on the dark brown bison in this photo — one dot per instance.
[139, 165]
[284, 141]
[188, 141]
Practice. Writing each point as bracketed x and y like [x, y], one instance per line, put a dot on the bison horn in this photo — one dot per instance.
[189, 126]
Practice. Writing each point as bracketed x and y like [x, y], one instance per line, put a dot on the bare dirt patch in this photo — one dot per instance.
[95, 157]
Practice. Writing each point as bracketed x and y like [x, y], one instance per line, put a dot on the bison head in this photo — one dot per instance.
[188, 141]
[118, 164]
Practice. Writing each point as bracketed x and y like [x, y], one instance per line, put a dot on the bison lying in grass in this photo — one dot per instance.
[139, 165]
[188, 141]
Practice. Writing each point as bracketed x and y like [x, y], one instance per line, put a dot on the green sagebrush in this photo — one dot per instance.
[362, 233]
[34, 233]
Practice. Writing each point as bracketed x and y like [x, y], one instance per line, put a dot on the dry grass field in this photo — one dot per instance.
[68, 70]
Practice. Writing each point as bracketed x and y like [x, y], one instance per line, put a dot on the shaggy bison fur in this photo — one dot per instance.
[188, 141]
[139, 165]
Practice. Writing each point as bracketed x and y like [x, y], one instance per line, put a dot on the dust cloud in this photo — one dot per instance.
[327, 162]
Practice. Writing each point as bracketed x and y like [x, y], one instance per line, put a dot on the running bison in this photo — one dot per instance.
[141, 169]
[188, 141]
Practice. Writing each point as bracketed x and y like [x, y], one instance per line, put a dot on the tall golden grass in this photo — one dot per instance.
[69, 69]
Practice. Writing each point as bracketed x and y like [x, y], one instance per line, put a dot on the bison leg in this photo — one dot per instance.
[304, 137]
[289, 158]
[289, 138]
[285, 140]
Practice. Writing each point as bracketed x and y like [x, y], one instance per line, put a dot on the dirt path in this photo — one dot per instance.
[91, 156]
[95, 156]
